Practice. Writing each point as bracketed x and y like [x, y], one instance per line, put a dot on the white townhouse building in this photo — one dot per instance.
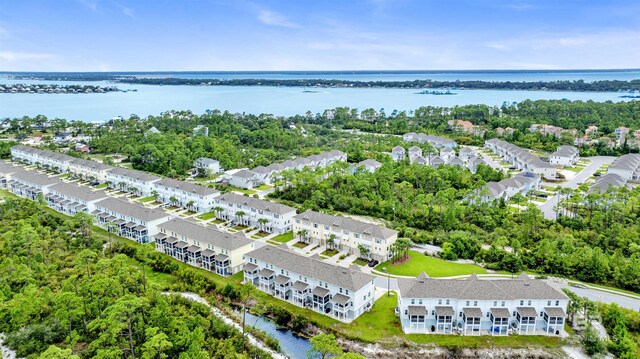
[626, 166]
[203, 247]
[29, 184]
[521, 158]
[89, 170]
[565, 156]
[208, 166]
[188, 195]
[133, 181]
[249, 211]
[397, 153]
[414, 152]
[243, 179]
[475, 306]
[55, 161]
[70, 198]
[308, 282]
[369, 165]
[129, 220]
[604, 183]
[267, 174]
[6, 170]
[521, 183]
[466, 154]
[346, 233]
[435, 141]
[474, 162]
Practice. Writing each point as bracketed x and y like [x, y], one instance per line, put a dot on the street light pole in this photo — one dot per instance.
[388, 281]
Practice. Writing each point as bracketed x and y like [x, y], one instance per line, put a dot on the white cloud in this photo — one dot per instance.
[127, 11]
[91, 4]
[11, 56]
[273, 18]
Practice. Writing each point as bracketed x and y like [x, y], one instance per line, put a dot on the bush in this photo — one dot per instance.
[299, 324]
[281, 316]
[591, 342]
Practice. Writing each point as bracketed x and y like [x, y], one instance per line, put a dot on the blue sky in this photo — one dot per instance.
[196, 35]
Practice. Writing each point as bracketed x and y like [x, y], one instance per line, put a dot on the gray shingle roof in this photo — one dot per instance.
[341, 299]
[346, 223]
[256, 203]
[7, 168]
[299, 285]
[417, 310]
[282, 279]
[135, 174]
[320, 292]
[370, 163]
[472, 312]
[602, 184]
[444, 311]
[244, 174]
[477, 289]
[500, 312]
[35, 178]
[132, 209]
[187, 187]
[204, 234]
[527, 311]
[76, 191]
[312, 268]
[555, 311]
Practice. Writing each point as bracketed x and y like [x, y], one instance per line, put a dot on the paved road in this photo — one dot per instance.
[599, 296]
[490, 161]
[596, 162]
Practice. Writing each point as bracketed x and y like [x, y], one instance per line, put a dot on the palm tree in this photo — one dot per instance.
[303, 234]
[218, 210]
[121, 185]
[173, 201]
[262, 222]
[155, 194]
[190, 205]
[134, 190]
[331, 241]
[364, 251]
[240, 214]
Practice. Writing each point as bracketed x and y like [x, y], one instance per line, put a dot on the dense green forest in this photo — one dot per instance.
[58, 288]
[601, 244]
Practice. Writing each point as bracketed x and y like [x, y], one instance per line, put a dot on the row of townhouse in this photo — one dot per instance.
[467, 157]
[254, 212]
[6, 170]
[480, 307]
[521, 158]
[345, 234]
[626, 166]
[129, 220]
[248, 179]
[434, 141]
[171, 192]
[203, 247]
[192, 243]
[308, 282]
[565, 156]
[521, 183]
[606, 182]
[70, 199]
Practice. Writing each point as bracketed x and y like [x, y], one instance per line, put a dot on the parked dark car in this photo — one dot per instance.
[95, 183]
[373, 263]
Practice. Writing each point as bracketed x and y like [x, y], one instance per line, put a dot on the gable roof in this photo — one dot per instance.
[204, 234]
[188, 187]
[342, 277]
[132, 209]
[134, 174]
[256, 203]
[347, 223]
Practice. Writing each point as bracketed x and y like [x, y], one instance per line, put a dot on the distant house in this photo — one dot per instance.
[546, 129]
[243, 179]
[82, 148]
[201, 130]
[62, 137]
[398, 153]
[621, 132]
[436, 161]
[447, 153]
[414, 152]
[466, 153]
[434, 141]
[591, 130]
[610, 180]
[626, 166]
[207, 166]
[474, 162]
[521, 158]
[152, 131]
[370, 165]
[565, 156]
[521, 183]
[455, 161]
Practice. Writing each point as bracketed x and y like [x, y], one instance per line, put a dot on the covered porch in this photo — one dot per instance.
[208, 259]
[283, 287]
[554, 320]
[250, 273]
[417, 318]
[301, 294]
[499, 321]
[341, 306]
[266, 280]
[471, 318]
[444, 319]
[526, 318]
[223, 264]
[321, 299]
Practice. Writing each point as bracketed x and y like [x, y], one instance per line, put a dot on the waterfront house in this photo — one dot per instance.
[345, 234]
[129, 220]
[29, 184]
[522, 306]
[202, 246]
[254, 212]
[308, 282]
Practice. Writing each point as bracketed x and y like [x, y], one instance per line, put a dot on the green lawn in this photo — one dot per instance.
[242, 190]
[434, 267]
[283, 238]
[147, 199]
[300, 245]
[101, 186]
[264, 187]
[329, 253]
[361, 262]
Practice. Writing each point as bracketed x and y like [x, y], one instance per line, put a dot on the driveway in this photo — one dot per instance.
[490, 161]
[596, 162]
[599, 296]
